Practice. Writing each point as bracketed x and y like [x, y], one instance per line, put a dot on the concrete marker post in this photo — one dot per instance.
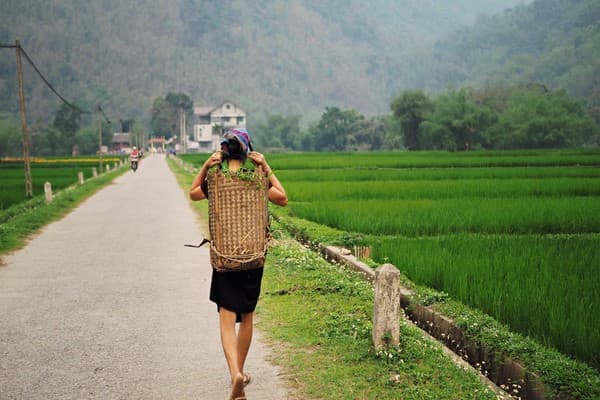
[386, 306]
[94, 172]
[48, 192]
[80, 177]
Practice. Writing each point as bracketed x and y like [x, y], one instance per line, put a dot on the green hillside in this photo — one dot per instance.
[266, 55]
[552, 42]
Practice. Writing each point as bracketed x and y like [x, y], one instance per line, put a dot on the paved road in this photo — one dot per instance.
[108, 304]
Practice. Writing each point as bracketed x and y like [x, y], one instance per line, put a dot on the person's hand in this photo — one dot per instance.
[257, 158]
[214, 159]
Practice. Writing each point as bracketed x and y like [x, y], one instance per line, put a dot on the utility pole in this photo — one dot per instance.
[26, 161]
[185, 131]
[99, 139]
[181, 138]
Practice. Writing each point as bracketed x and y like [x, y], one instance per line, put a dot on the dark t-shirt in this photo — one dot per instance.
[204, 188]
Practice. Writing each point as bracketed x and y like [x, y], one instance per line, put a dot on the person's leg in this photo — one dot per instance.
[229, 340]
[244, 339]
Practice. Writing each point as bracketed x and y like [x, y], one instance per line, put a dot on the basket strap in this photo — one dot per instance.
[216, 211]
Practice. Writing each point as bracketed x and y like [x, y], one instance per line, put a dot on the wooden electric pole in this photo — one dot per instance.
[182, 138]
[26, 161]
[99, 139]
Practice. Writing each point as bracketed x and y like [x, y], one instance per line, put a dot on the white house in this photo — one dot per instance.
[210, 122]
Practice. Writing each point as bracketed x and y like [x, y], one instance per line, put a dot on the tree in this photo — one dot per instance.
[66, 121]
[10, 139]
[87, 140]
[457, 122]
[334, 128]
[165, 113]
[46, 142]
[411, 107]
[540, 119]
[279, 131]
[367, 134]
[162, 121]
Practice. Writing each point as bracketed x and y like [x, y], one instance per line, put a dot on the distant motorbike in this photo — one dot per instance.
[134, 157]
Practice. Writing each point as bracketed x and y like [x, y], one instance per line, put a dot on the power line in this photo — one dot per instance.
[102, 111]
[50, 85]
[13, 46]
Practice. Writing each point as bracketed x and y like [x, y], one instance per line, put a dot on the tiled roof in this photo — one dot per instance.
[202, 111]
[121, 138]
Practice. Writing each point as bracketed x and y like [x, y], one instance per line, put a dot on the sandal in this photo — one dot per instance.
[237, 389]
[247, 379]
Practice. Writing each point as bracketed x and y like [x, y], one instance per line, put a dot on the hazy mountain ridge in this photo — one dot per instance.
[267, 55]
[553, 42]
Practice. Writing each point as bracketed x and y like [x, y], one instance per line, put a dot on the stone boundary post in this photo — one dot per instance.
[386, 306]
[80, 177]
[48, 192]
[94, 172]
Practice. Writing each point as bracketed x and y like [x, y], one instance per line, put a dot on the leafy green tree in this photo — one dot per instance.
[394, 138]
[139, 136]
[162, 120]
[411, 107]
[10, 139]
[306, 141]
[66, 121]
[165, 113]
[334, 128]
[46, 142]
[367, 134]
[540, 119]
[457, 122]
[279, 131]
[87, 140]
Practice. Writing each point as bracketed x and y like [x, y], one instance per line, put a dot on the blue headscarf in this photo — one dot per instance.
[240, 135]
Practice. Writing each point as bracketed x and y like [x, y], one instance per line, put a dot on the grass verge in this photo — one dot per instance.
[559, 372]
[319, 318]
[323, 313]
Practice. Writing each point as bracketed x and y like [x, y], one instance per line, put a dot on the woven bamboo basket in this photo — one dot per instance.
[238, 220]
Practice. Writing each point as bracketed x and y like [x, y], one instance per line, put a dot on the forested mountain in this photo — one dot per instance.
[281, 56]
[551, 42]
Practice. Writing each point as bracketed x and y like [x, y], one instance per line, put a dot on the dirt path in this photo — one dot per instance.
[108, 304]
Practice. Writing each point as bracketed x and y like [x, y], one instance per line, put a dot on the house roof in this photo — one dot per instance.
[121, 138]
[203, 111]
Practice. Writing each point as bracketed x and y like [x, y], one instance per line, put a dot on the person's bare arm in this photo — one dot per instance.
[277, 193]
[196, 192]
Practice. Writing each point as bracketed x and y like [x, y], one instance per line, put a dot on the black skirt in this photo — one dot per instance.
[236, 291]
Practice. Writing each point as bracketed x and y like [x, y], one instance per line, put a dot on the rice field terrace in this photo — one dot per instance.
[60, 172]
[515, 234]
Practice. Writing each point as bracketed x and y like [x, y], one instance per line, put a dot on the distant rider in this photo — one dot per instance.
[134, 157]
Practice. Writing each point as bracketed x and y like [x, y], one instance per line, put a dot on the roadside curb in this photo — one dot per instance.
[502, 374]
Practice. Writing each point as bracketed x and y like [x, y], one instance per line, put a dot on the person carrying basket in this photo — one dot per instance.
[236, 278]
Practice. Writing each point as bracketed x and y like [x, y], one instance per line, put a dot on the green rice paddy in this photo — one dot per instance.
[60, 172]
[515, 234]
